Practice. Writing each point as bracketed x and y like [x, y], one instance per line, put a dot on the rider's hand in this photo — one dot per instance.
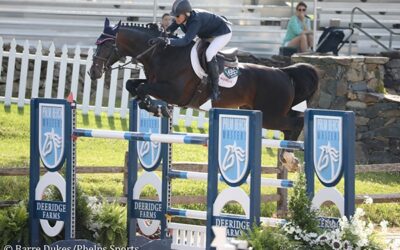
[159, 41]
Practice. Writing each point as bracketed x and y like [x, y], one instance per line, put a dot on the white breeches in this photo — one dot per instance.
[217, 44]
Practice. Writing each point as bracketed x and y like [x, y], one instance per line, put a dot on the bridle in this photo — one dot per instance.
[113, 53]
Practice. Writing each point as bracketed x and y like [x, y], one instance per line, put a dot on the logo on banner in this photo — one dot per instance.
[51, 134]
[148, 151]
[233, 148]
[328, 149]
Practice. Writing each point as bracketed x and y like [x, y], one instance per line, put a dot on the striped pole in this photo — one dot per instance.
[284, 144]
[138, 136]
[187, 213]
[279, 183]
[199, 139]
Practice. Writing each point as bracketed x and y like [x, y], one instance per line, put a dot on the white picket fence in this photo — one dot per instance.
[77, 62]
[34, 83]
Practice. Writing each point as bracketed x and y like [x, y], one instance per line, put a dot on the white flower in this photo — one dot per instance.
[347, 245]
[359, 213]
[290, 229]
[91, 200]
[336, 244]
[362, 242]
[368, 200]
[313, 235]
[323, 238]
[384, 225]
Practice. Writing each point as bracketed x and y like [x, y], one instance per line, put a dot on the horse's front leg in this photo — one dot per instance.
[132, 84]
[164, 91]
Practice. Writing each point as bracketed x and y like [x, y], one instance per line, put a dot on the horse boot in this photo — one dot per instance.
[213, 72]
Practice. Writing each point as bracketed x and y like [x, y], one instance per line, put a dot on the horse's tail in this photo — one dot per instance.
[305, 79]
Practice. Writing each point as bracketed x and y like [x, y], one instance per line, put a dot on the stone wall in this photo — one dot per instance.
[392, 68]
[357, 84]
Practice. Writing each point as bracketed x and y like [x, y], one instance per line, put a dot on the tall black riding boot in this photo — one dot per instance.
[213, 77]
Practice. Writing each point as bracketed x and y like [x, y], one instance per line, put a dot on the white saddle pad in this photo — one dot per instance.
[225, 79]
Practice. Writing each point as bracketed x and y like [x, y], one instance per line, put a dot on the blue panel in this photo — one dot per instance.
[34, 227]
[236, 137]
[329, 151]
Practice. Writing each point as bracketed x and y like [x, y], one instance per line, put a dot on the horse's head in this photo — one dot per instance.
[106, 52]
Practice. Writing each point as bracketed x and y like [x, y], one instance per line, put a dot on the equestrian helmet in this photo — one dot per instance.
[181, 7]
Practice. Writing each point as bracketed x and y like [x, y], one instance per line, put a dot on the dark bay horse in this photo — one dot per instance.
[170, 77]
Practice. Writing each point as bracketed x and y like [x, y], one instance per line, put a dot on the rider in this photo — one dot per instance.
[205, 25]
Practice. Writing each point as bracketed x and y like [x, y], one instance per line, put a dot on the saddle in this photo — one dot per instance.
[225, 58]
[228, 65]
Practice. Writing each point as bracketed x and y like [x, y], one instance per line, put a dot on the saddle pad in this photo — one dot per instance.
[227, 78]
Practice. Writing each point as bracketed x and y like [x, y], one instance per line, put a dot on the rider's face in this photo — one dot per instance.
[180, 19]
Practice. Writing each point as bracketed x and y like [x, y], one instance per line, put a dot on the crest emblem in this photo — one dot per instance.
[328, 149]
[233, 148]
[231, 72]
[51, 135]
[148, 151]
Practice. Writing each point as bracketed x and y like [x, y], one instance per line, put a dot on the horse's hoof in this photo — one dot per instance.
[165, 112]
[142, 105]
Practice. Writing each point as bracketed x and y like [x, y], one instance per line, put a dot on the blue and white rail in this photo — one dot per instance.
[284, 144]
[279, 183]
[199, 139]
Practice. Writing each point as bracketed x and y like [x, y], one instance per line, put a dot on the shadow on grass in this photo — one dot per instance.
[189, 130]
[124, 124]
[111, 122]
[85, 119]
[381, 178]
[270, 152]
[21, 110]
[176, 128]
[98, 122]
[7, 109]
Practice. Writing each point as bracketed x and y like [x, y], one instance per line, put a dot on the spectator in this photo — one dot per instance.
[165, 21]
[299, 34]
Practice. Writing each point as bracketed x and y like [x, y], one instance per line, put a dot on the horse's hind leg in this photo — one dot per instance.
[291, 127]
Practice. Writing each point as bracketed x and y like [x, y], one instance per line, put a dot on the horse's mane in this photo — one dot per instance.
[150, 28]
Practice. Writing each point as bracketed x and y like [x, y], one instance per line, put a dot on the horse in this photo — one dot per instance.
[171, 78]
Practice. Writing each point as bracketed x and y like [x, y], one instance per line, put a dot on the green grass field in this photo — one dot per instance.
[14, 152]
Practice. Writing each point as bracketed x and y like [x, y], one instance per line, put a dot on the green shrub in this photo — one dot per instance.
[83, 214]
[109, 225]
[14, 226]
[261, 238]
[300, 212]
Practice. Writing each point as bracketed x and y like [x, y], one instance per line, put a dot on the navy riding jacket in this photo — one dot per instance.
[200, 23]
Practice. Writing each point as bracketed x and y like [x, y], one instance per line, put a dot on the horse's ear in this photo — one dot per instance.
[116, 27]
[106, 23]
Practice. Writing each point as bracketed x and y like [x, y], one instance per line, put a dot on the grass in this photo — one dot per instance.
[14, 152]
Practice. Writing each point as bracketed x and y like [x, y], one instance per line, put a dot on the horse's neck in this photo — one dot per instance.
[132, 42]
[177, 55]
